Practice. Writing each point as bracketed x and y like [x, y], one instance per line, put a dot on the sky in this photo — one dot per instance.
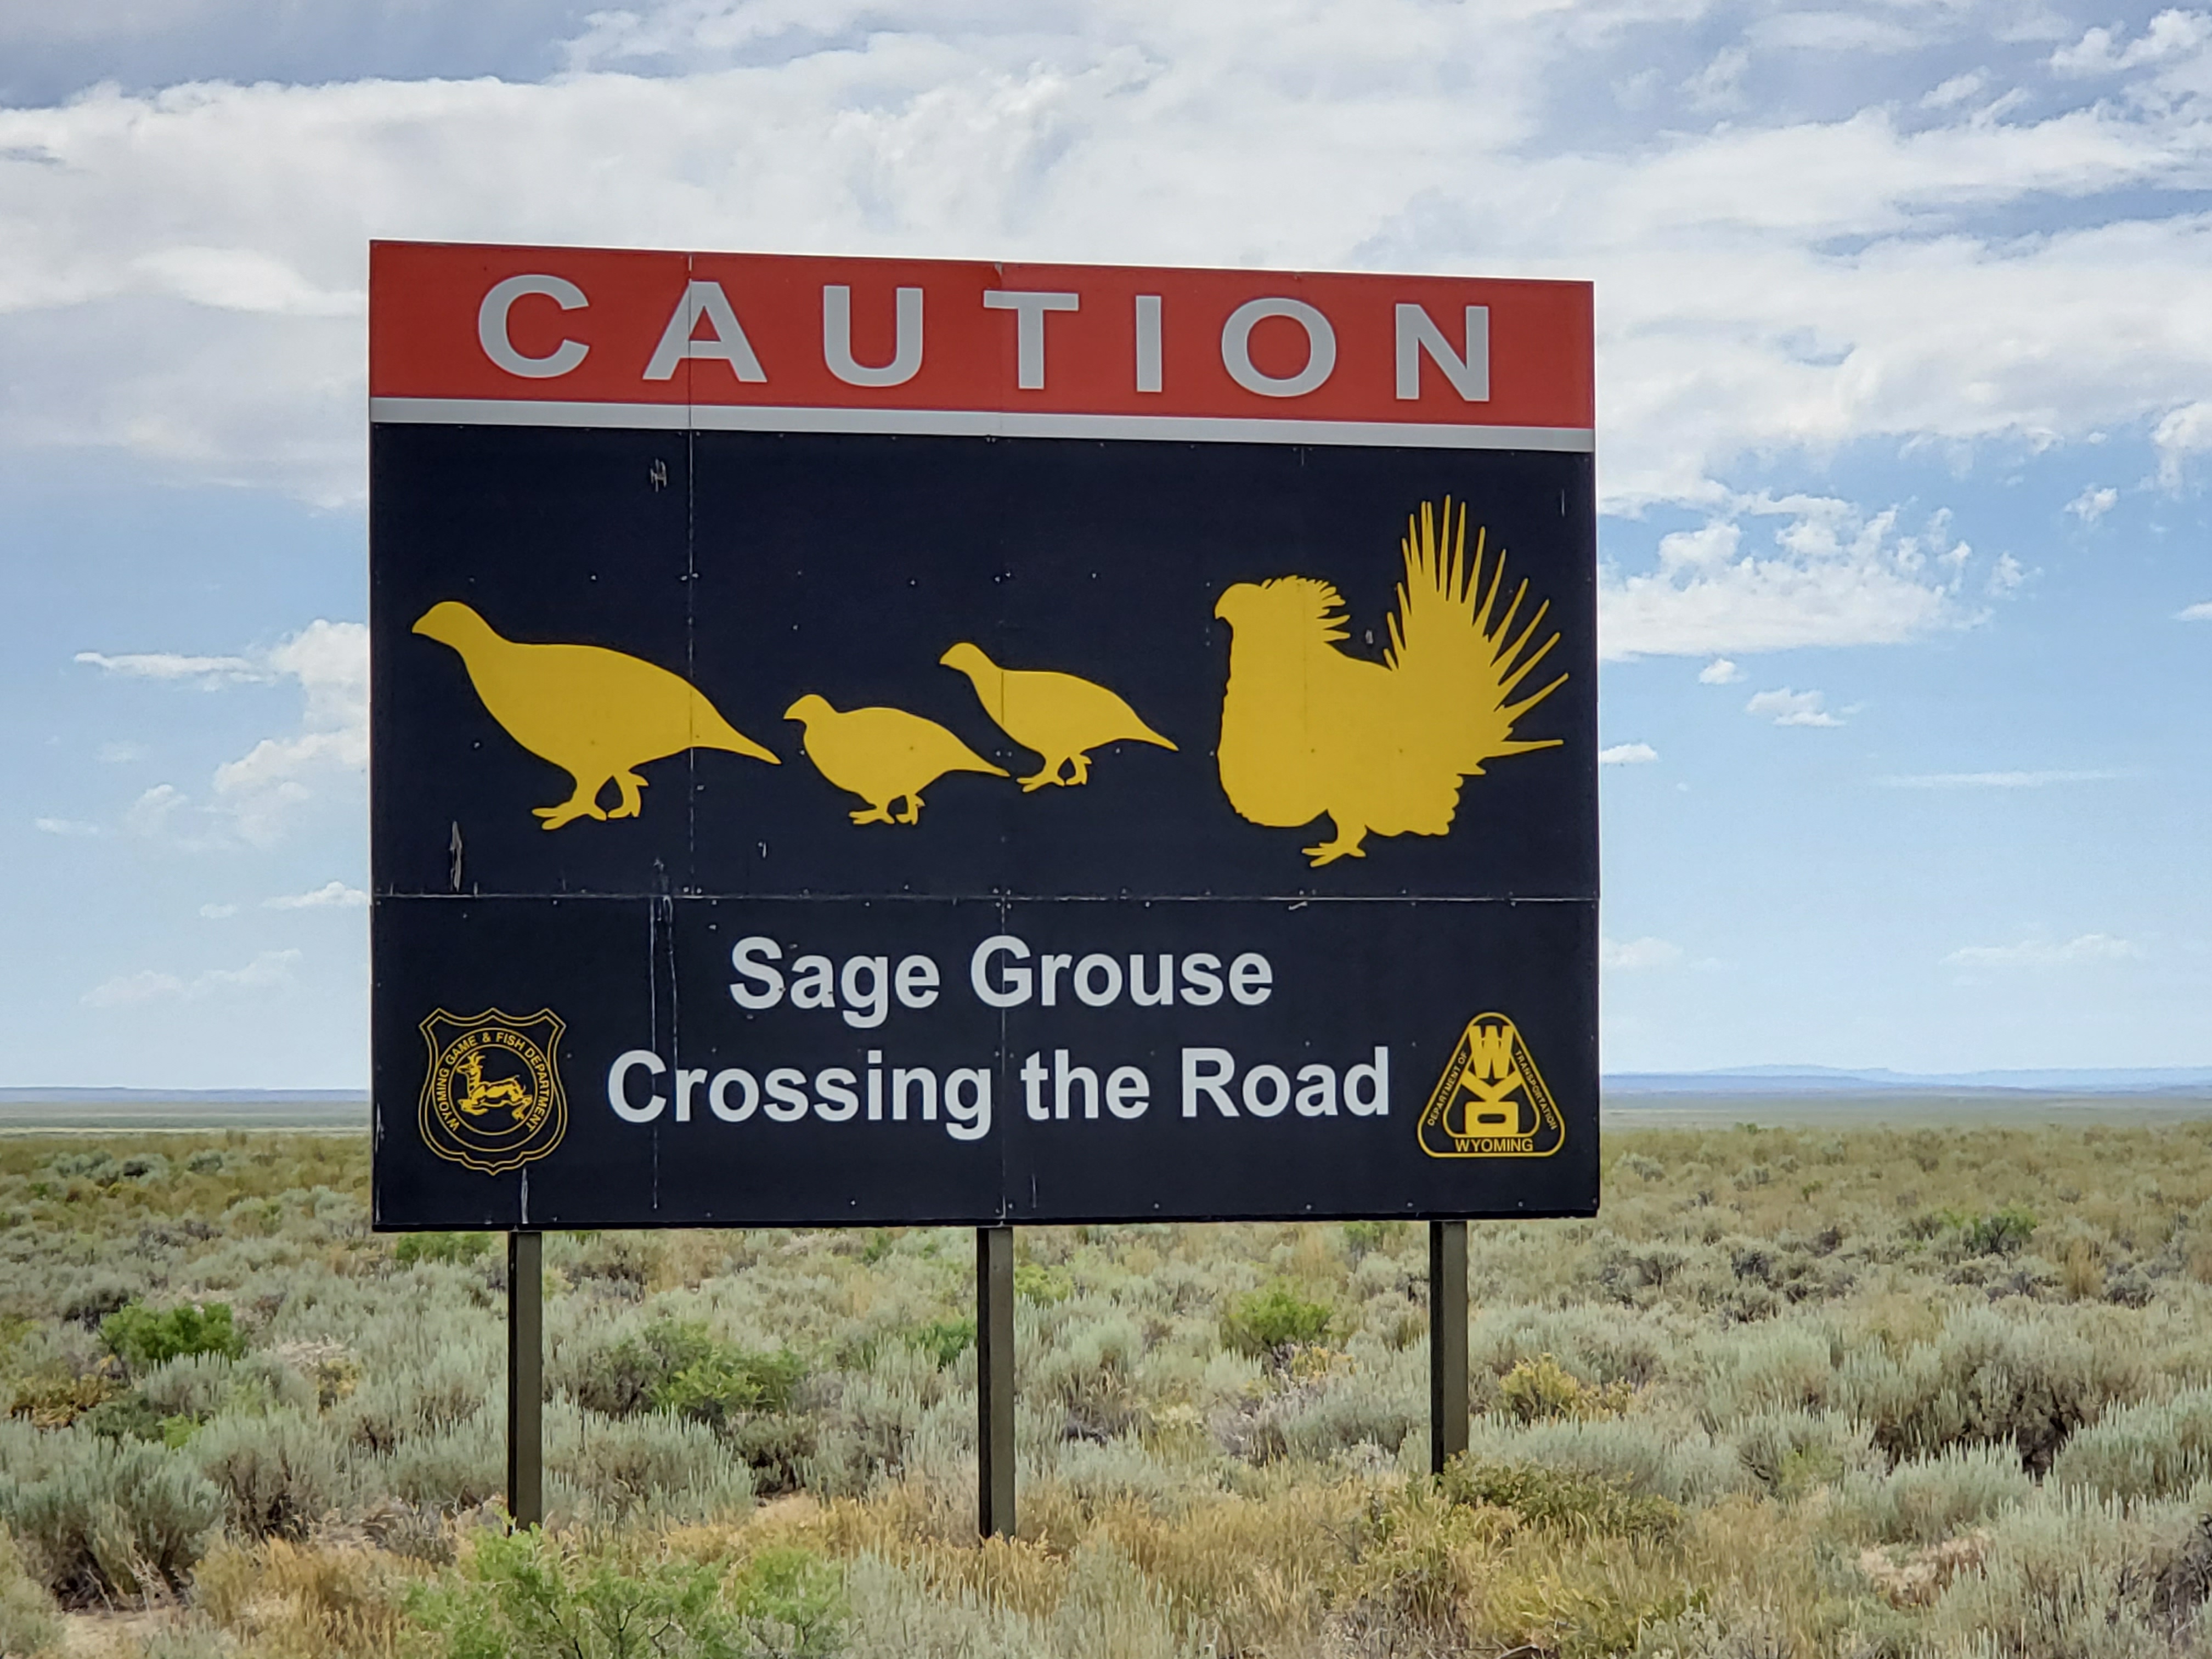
[1905, 402]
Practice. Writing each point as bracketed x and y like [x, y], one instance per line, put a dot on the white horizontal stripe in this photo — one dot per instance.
[973, 423]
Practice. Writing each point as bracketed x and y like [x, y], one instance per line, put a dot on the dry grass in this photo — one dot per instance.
[1845, 1393]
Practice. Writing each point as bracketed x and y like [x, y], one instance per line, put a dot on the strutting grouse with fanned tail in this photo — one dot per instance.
[1380, 747]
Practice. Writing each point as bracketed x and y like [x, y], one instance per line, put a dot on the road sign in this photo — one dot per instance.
[884, 741]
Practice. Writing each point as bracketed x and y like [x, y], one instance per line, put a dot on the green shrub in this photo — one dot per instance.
[2003, 1231]
[1035, 1282]
[1565, 1500]
[2159, 1448]
[1363, 1239]
[452, 1468]
[944, 1339]
[1273, 1321]
[103, 1519]
[1792, 1453]
[1638, 1454]
[459, 1249]
[677, 1366]
[142, 1339]
[655, 1464]
[95, 1297]
[278, 1475]
[28, 1624]
[1931, 1499]
[1541, 1389]
[55, 1402]
[791, 1604]
[124, 1417]
[526, 1596]
[726, 1383]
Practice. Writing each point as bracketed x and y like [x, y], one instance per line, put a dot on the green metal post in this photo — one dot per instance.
[1447, 1395]
[994, 1381]
[526, 1378]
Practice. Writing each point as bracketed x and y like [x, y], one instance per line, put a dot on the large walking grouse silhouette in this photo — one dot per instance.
[595, 714]
[1380, 747]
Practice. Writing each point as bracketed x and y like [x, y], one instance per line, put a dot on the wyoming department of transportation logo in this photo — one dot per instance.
[492, 1098]
[1491, 1101]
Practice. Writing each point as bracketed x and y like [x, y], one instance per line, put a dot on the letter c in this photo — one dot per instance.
[619, 1086]
[491, 326]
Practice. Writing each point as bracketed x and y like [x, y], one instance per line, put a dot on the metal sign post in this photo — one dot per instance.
[526, 1378]
[1447, 1393]
[995, 1382]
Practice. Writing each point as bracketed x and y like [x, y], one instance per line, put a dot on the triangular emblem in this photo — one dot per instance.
[1491, 1101]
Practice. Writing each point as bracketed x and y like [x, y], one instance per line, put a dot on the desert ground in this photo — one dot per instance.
[1878, 1382]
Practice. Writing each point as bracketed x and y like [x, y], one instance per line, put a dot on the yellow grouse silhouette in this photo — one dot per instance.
[1381, 747]
[595, 714]
[1059, 716]
[884, 755]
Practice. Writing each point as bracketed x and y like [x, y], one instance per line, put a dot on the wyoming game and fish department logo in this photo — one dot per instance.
[1491, 1101]
[492, 1098]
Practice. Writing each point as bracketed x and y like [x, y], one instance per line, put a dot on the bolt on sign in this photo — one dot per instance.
[875, 741]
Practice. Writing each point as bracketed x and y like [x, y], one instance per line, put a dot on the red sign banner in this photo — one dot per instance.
[608, 338]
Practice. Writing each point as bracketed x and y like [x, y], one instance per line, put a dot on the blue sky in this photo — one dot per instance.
[1905, 409]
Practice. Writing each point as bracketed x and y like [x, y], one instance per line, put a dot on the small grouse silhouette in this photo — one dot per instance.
[884, 756]
[595, 714]
[1382, 747]
[1059, 716]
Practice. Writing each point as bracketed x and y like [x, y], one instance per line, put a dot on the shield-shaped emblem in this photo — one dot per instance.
[492, 1097]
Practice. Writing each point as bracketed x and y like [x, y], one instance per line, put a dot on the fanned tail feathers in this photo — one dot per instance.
[1457, 650]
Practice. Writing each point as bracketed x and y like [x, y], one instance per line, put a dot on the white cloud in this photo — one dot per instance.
[2042, 953]
[2200, 612]
[64, 827]
[1829, 574]
[1834, 29]
[243, 279]
[121, 754]
[268, 969]
[2172, 33]
[1634, 955]
[1789, 708]
[332, 896]
[2182, 433]
[1627, 754]
[1991, 780]
[182, 278]
[2093, 503]
[155, 813]
[330, 662]
[252, 797]
[1956, 90]
[210, 671]
[1719, 672]
[1717, 86]
[218, 912]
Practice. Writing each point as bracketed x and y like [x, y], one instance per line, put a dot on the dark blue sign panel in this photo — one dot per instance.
[819, 816]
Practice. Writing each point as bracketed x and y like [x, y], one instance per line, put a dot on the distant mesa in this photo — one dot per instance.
[886, 756]
[1059, 715]
[596, 714]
